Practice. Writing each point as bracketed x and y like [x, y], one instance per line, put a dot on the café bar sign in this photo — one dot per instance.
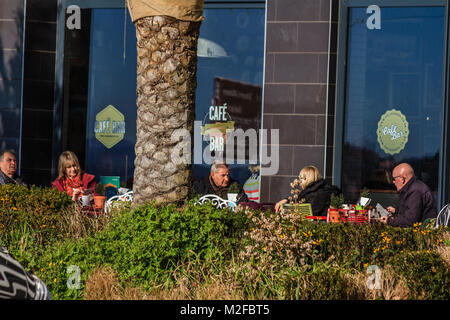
[109, 126]
[216, 124]
[392, 131]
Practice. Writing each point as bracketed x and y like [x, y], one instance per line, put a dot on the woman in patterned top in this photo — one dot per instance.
[71, 179]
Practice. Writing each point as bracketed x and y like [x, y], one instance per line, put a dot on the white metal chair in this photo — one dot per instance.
[216, 201]
[443, 216]
[126, 197]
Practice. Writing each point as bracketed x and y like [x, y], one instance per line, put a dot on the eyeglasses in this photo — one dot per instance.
[393, 178]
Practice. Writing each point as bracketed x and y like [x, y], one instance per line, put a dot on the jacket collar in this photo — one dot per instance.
[407, 185]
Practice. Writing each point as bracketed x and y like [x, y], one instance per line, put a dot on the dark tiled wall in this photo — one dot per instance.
[297, 71]
[38, 93]
[11, 50]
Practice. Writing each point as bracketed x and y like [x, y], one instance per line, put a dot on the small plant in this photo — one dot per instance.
[293, 198]
[365, 193]
[336, 201]
[234, 188]
[100, 189]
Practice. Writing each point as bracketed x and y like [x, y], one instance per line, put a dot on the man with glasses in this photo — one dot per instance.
[416, 202]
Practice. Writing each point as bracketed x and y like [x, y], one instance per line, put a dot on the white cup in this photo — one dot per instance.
[85, 200]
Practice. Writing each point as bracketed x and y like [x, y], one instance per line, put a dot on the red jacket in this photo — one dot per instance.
[87, 179]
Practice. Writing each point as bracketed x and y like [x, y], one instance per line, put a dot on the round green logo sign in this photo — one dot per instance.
[392, 131]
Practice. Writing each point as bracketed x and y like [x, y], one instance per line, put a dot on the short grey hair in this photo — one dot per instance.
[219, 164]
[11, 151]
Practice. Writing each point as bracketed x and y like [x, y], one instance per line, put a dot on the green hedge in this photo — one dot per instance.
[268, 256]
[147, 245]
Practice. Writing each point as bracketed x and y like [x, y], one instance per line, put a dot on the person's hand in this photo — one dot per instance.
[278, 205]
[77, 193]
[390, 209]
[384, 219]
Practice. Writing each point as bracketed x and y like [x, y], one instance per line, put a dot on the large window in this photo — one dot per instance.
[391, 105]
[230, 77]
[97, 73]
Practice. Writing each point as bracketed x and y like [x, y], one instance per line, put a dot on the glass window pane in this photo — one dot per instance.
[394, 97]
[112, 111]
[230, 71]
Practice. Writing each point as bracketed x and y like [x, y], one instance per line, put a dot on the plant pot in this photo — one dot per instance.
[334, 215]
[99, 201]
[232, 196]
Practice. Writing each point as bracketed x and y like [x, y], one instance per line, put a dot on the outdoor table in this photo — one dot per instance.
[90, 209]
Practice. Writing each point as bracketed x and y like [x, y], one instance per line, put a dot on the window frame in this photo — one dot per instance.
[109, 4]
[341, 84]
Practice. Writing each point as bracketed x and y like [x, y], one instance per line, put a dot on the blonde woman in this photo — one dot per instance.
[314, 190]
[71, 179]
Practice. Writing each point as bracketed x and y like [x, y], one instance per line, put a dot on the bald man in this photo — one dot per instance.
[416, 203]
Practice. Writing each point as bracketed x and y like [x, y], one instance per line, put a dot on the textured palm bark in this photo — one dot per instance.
[166, 83]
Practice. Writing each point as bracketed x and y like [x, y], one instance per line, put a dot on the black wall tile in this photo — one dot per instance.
[10, 64]
[40, 36]
[282, 37]
[39, 65]
[9, 94]
[279, 98]
[42, 10]
[313, 37]
[271, 10]
[39, 94]
[11, 9]
[295, 10]
[307, 155]
[37, 124]
[36, 153]
[10, 35]
[295, 129]
[285, 160]
[268, 76]
[310, 98]
[295, 67]
[264, 191]
[280, 187]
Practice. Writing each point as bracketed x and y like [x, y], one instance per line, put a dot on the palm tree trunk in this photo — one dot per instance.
[166, 84]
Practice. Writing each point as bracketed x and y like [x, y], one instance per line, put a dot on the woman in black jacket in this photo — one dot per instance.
[314, 191]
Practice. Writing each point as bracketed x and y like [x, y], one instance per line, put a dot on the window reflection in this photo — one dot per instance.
[230, 71]
[398, 67]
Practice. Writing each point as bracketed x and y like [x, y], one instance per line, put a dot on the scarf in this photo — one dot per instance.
[70, 184]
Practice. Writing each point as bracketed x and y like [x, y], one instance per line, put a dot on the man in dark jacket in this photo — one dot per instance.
[416, 202]
[8, 168]
[218, 182]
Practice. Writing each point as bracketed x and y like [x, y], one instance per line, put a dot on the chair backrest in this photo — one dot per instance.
[443, 216]
[126, 197]
[304, 209]
[216, 201]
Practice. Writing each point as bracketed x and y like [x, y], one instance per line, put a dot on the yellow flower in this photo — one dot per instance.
[365, 265]
[60, 262]
[54, 280]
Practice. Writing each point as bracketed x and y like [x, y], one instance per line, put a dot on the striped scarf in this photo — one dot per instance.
[70, 184]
